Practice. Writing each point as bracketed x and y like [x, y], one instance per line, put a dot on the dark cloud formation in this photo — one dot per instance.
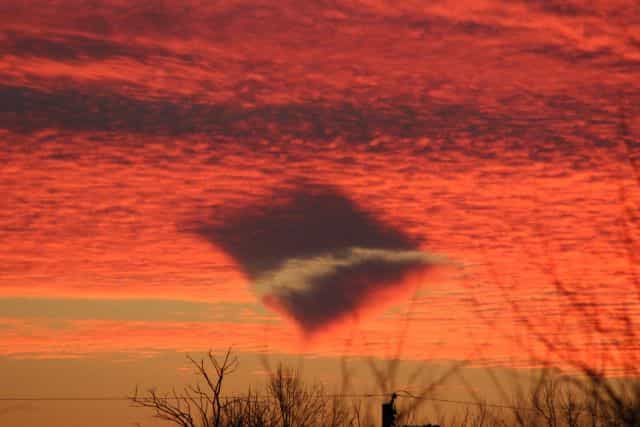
[316, 71]
[315, 254]
[27, 110]
[73, 47]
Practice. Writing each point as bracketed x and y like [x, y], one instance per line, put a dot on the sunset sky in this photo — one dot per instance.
[311, 180]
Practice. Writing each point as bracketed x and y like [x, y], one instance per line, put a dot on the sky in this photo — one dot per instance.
[430, 180]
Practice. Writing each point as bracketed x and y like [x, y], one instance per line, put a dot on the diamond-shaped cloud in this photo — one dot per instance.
[315, 255]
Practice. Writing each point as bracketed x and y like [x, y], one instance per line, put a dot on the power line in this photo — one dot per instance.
[464, 402]
[55, 399]
[402, 394]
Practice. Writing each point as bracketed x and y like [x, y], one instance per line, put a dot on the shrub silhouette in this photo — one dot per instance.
[286, 402]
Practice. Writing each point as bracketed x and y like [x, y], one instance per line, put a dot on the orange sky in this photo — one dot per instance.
[485, 132]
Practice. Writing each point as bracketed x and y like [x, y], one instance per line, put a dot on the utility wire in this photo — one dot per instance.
[463, 402]
[55, 399]
[401, 394]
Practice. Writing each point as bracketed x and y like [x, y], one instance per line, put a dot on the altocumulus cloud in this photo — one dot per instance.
[315, 255]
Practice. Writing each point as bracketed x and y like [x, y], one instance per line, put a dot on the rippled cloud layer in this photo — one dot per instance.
[501, 135]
